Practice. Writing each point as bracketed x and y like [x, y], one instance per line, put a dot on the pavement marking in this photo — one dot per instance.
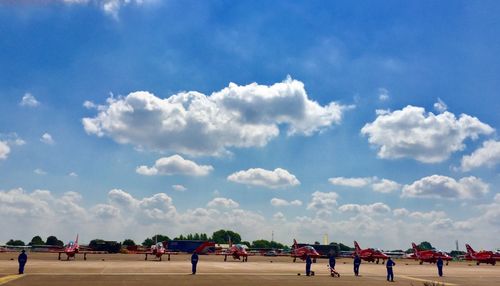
[9, 278]
[426, 280]
[173, 274]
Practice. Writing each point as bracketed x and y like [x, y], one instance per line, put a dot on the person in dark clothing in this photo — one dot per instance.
[357, 262]
[390, 273]
[439, 264]
[194, 262]
[22, 259]
[331, 261]
[308, 265]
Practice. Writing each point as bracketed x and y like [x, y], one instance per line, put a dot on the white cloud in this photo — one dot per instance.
[431, 215]
[174, 165]
[39, 171]
[428, 138]
[350, 182]
[488, 155]
[378, 185]
[89, 104]
[276, 202]
[383, 94]
[279, 178]
[196, 124]
[401, 212]
[323, 201]
[179, 188]
[222, 202]
[47, 139]
[279, 216]
[109, 7]
[4, 150]
[73, 174]
[375, 208]
[437, 186]
[440, 106]
[385, 186]
[29, 100]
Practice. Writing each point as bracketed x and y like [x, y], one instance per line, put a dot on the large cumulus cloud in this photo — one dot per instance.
[196, 124]
[426, 137]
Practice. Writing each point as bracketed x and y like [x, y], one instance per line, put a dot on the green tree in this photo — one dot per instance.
[52, 240]
[261, 243]
[148, 242]
[425, 245]
[128, 242]
[222, 236]
[37, 240]
[343, 247]
[16, 242]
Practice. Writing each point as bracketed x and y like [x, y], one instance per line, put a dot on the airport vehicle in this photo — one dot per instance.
[370, 254]
[484, 256]
[73, 248]
[237, 251]
[430, 256]
[302, 252]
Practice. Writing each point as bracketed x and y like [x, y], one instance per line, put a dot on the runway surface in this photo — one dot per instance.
[129, 269]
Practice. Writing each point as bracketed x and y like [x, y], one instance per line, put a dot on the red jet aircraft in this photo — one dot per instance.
[430, 256]
[302, 252]
[157, 250]
[237, 251]
[369, 254]
[488, 257]
[73, 248]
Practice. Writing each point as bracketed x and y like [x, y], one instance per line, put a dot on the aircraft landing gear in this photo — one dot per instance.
[295, 258]
[225, 258]
[447, 262]
[314, 260]
[377, 261]
[421, 262]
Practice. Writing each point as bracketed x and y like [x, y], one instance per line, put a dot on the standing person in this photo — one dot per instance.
[439, 264]
[194, 262]
[22, 259]
[390, 273]
[357, 262]
[331, 261]
[308, 265]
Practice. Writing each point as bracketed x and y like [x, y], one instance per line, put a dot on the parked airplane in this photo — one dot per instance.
[157, 250]
[488, 257]
[430, 256]
[369, 254]
[237, 251]
[302, 252]
[73, 248]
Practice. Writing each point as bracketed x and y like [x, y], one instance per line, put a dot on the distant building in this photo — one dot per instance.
[190, 246]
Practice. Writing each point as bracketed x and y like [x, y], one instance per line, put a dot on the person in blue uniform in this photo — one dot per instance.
[194, 262]
[22, 259]
[357, 263]
[308, 265]
[390, 273]
[331, 261]
[439, 265]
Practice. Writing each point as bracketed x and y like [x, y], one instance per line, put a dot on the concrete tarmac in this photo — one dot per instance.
[131, 269]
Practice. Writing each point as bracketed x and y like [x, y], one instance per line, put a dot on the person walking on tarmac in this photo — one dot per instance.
[194, 262]
[308, 265]
[390, 273]
[22, 259]
[439, 265]
[357, 262]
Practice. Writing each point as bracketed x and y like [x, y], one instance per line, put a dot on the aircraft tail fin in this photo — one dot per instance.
[230, 242]
[415, 248]
[357, 249]
[294, 244]
[76, 240]
[469, 249]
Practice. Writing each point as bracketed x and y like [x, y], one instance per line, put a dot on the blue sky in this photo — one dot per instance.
[304, 118]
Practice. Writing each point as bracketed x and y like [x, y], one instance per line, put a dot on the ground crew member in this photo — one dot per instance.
[390, 273]
[308, 265]
[357, 262]
[194, 262]
[439, 264]
[331, 261]
[22, 259]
